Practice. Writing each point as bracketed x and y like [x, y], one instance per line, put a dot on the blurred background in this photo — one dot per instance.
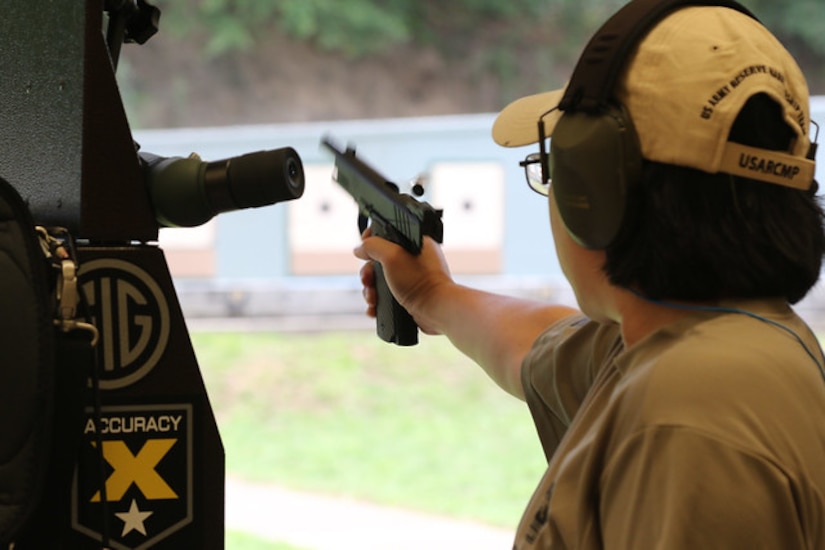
[307, 398]
[414, 85]
[230, 62]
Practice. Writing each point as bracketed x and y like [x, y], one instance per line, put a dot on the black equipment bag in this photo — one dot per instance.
[44, 366]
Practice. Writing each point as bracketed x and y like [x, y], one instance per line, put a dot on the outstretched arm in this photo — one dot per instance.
[493, 330]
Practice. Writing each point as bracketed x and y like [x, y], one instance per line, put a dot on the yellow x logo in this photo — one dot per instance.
[138, 469]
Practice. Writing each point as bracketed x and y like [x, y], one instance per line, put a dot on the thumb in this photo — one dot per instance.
[374, 248]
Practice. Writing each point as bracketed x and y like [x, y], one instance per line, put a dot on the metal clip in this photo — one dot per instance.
[67, 292]
[67, 296]
[67, 300]
[69, 325]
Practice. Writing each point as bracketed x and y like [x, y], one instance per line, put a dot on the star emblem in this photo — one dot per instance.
[133, 519]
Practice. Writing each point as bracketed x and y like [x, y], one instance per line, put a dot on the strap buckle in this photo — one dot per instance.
[59, 251]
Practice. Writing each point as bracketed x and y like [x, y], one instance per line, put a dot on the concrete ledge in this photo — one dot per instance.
[318, 303]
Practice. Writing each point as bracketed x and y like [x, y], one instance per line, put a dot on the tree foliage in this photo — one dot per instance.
[358, 28]
[361, 27]
[499, 29]
[800, 21]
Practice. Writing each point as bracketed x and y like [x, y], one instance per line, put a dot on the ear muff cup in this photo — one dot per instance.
[596, 160]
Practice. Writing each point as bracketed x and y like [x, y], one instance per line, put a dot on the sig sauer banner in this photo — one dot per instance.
[141, 493]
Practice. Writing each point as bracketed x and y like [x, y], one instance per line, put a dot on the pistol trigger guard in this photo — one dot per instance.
[363, 222]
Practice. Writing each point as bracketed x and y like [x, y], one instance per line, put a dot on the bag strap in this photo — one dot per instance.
[27, 370]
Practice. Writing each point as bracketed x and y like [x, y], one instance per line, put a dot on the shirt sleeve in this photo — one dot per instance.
[673, 488]
[559, 370]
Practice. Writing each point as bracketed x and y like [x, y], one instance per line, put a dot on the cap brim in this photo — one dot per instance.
[517, 124]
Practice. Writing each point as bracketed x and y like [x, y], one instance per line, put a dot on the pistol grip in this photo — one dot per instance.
[394, 323]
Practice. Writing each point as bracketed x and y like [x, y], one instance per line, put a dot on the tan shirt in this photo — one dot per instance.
[710, 433]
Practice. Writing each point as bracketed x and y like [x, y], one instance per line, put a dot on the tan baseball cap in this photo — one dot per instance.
[684, 86]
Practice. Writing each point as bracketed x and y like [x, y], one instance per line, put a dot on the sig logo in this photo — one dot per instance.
[132, 316]
[142, 492]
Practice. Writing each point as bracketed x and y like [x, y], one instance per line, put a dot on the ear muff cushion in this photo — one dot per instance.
[595, 160]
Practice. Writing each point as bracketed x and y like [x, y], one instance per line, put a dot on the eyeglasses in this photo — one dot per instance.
[534, 173]
[538, 167]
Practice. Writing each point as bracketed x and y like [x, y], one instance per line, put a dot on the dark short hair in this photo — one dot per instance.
[696, 236]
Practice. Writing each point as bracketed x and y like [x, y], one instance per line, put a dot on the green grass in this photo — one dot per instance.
[347, 414]
[237, 540]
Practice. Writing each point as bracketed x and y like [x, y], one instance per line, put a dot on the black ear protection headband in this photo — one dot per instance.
[595, 149]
